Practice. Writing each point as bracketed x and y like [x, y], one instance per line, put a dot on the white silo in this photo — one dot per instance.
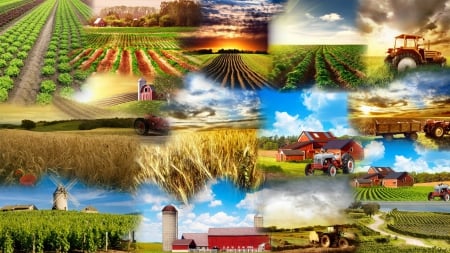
[169, 226]
[258, 221]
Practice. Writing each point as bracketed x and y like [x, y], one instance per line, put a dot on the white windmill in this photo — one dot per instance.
[61, 195]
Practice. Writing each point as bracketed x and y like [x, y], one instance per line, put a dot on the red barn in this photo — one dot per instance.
[398, 179]
[201, 239]
[340, 147]
[384, 176]
[320, 137]
[238, 238]
[183, 245]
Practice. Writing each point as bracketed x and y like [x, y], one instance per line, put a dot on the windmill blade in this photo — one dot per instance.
[55, 180]
[72, 199]
[71, 184]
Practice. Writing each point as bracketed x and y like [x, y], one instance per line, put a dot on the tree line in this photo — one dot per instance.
[174, 13]
[422, 177]
[275, 142]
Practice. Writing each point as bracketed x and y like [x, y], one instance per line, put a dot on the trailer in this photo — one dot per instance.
[388, 129]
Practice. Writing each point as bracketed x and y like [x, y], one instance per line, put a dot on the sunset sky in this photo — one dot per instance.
[230, 24]
[419, 94]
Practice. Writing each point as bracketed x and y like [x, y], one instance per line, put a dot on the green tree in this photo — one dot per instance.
[28, 124]
[371, 208]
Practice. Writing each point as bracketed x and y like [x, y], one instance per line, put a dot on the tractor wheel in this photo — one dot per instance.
[332, 170]
[446, 197]
[438, 132]
[308, 170]
[343, 243]
[348, 165]
[141, 126]
[325, 241]
[430, 196]
[413, 136]
[405, 61]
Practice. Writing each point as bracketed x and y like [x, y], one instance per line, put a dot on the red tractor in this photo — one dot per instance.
[330, 163]
[152, 123]
[409, 51]
[436, 128]
[442, 191]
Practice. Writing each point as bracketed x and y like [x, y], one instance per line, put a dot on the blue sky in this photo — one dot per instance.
[316, 22]
[404, 155]
[291, 113]
[220, 204]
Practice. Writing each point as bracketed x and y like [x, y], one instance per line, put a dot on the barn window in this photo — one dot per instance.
[351, 149]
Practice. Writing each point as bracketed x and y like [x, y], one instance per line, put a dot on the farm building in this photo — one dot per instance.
[384, 176]
[18, 208]
[311, 143]
[183, 245]
[238, 238]
[89, 209]
[99, 22]
[145, 91]
[200, 239]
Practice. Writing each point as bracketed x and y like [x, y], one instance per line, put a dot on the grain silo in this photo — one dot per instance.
[258, 221]
[169, 226]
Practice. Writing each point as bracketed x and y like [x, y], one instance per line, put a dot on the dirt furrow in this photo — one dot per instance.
[28, 83]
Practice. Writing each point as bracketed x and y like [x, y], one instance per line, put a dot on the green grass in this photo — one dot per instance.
[260, 63]
[414, 193]
[270, 165]
[139, 108]
[150, 247]
[62, 126]
[205, 58]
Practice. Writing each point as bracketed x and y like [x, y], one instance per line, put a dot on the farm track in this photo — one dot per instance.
[79, 111]
[115, 100]
[163, 65]
[28, 83]
[230, 70]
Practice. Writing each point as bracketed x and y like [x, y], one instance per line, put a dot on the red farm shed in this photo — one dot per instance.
[200, 239]
[321, 137]
[398, 179]
[340, 147]
[183, 245]
[238, 239]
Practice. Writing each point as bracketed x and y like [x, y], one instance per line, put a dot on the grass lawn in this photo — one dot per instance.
[270, 165]
[147, 247]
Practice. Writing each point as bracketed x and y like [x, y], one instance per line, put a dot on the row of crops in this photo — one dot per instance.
[132, 40]
[416, 193]
[16, 43]
[62, 231]
[8, 5]
[67, 36]
[420, 224]
[329, 66]
[374, 247]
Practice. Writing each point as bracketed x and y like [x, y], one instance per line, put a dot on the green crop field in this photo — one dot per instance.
[415, 193]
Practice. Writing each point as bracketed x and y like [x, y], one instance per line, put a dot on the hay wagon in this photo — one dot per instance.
[388, 129]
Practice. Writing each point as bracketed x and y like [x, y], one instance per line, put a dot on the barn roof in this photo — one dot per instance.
[293, 152]
[201, 239]
[183, 242]
[318, 136]
[395, 175]
[337, 144]
[97, 21]
[296, 145]
[383, 170]
[363, 181]
[233, 231]
[169, 208]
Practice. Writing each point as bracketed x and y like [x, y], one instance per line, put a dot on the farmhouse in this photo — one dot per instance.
[384, 176]
[311, 143]
[18, 208]
[99, 22]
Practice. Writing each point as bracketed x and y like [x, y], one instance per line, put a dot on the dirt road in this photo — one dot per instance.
[408, 240]
[28, 83]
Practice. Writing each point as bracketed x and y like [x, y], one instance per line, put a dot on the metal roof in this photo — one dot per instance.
[293, 152]
[169, 208]
[200, 239]
[233, 231]
[336, 144]
[183, 242]
[395, 175]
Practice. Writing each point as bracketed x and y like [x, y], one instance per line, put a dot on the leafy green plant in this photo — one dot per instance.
[12, 71]
[48, 71]
[3, 95]
[48, 86]
[65, 79]
[44, 98]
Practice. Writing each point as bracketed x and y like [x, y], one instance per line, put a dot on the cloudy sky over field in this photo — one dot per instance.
[420, 94]
[233, 24]
[203, 102]
[402, 155]
[382, 20]
[289, 114]
[316, 22]
[220, 204]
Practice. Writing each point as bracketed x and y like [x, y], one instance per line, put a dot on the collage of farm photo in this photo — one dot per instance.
[224, 126]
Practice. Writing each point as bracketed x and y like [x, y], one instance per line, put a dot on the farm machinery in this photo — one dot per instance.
[436, 128]
[333, 237]
[153, 123]
[442, 191]
[388, 129]
[409, 52]
[330, 163]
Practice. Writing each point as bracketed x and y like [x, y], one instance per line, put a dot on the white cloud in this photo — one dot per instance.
[315, 99]
[288, 125]
[309, 16]
[373, 151]
[331, 17]
[215, 203]
[206, 194]
[252, 201]
[340, 130]
[403, 163]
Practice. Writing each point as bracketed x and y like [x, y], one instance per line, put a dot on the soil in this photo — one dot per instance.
[28, 83]
[125, 63]
[163, 65]
[144, 65]
[87, 64]
[107, 63]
